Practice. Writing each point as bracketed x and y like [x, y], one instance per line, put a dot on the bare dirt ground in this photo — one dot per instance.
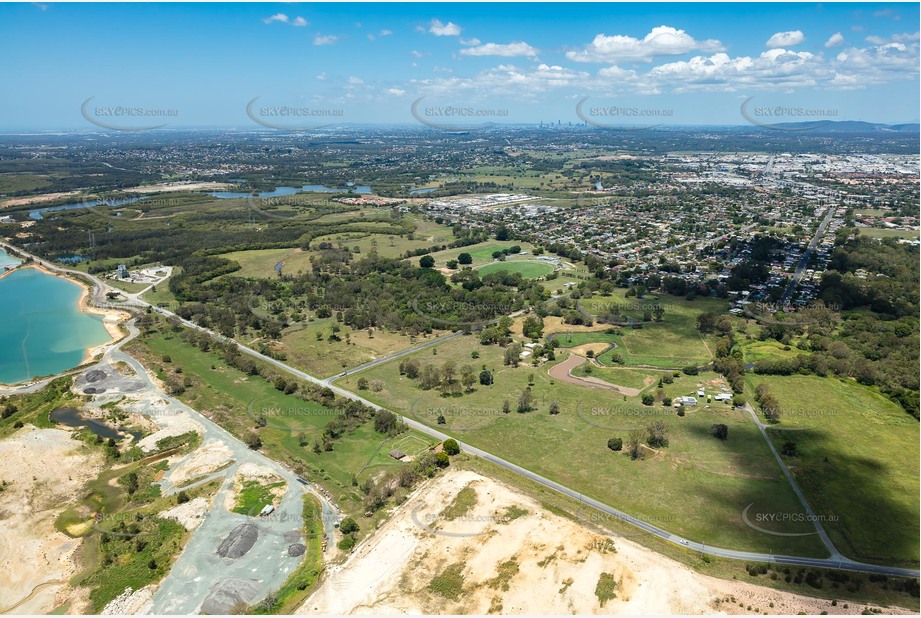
[535, 563]
[211, 457]
[563, 373]
[180, 186]
[37, 199]
[45, 470]
[189, 513]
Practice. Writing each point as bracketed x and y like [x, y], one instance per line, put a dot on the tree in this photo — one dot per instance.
[615, 444]
[441, 419]
[648, 399]
[362, 384]
[554, 408]
[512, 355]
[789, 449]
[465, 258]
[533, 327]
[426, 261]
[657, 434]
[451, 447]
[452, 264]
[524, 401]
[486, 377]
[253, 440]
[720, 431]
[348, 526]
[442, 460]
[506, 407]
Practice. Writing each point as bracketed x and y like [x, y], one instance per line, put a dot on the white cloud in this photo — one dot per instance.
[396, 92]
[775, 69]
[661, 41]
[418, 54]
[276, 17]
[385, 32]
[299, 22]
[473, 41]
[325, 39]
[835, 40]
[321, 77]
[509, 50]
[355, 81]
[785, 39]
[439, 29]
[876, 40]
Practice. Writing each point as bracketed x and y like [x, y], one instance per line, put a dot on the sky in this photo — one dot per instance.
[70, 66]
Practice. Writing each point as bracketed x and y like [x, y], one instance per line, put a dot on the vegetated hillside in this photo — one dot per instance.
[875, 285]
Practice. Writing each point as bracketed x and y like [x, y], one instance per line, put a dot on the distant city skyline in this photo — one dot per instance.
[290, 65]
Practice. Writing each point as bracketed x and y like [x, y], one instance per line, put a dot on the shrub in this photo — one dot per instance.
[451, 447]
[615, 444]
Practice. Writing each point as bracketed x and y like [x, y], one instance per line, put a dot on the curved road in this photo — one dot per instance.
[836, 561]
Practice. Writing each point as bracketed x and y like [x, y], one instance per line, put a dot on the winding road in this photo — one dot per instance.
[835, 561]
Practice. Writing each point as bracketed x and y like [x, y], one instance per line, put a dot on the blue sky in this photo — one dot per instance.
[684, 63]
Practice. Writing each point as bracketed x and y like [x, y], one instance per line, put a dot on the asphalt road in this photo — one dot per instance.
[834, 562]
[804, 261]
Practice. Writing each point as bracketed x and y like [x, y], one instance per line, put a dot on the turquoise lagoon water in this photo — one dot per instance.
[42, 330]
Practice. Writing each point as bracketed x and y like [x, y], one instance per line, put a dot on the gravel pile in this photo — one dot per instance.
[238, 542]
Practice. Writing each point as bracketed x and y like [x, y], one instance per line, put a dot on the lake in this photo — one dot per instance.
[281, 191]
[38, 213]
[7, 261]
[42, 330]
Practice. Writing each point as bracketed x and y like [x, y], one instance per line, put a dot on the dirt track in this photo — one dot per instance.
[563, 372]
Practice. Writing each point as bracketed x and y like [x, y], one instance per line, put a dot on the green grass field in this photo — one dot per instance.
[235, 400]
[480, 252]
[529, 269]
[858, 462]
[697, 486]
[323, 357]
[672, 343]
[877, 232]
[260, 263]
[620, 376]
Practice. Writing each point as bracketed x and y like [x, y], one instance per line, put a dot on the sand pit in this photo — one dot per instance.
[189, 514]
[211, 457]
[506, 554]
[45, 470]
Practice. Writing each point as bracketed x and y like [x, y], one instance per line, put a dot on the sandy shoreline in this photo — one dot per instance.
[111, 318]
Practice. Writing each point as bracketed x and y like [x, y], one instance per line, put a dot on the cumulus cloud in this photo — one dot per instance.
[661, 41]
[276, 17]
[773, 70]
[473, 41]
[439, 29]
[297, 22]
[509, 50]
[785, 39]
[398, 92]
[325, 39]
[835, 40]
[355, 81]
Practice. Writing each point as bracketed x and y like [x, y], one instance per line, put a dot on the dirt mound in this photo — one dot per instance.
[227, 593]
[238, 542]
